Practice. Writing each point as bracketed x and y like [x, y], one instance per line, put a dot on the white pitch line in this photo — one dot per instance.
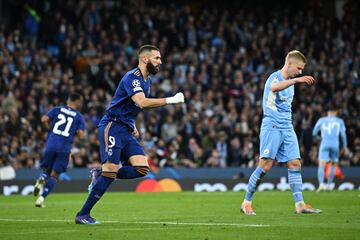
[97, 229]
[208, 224]
[42, 232]
[143, 222]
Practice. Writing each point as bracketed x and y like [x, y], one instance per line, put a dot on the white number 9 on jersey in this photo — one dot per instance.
[112, 141]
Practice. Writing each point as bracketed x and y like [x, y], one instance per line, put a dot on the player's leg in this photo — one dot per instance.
[61, 161]
[289, 152]
[295, 182]
[95, 173]
[321, 175]
[108, 175]
[46, 165]
[39, 184]
[254, 181]
[139, 168]
[48, 187]
[334, 159]
[324, 157]
[331, 175]
[110, 149]
[134, 153]
[269, 144]
[50, 183]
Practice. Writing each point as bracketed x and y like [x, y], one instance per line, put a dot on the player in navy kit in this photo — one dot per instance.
[122, 156]
[63, 122]
[278, 140]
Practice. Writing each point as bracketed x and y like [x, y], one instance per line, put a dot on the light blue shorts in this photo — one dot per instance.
[329, 154]
[279, 144]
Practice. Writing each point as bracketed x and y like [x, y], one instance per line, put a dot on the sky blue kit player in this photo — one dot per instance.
[122, 156]
[278, 140]
[331, 128]
[63, 122]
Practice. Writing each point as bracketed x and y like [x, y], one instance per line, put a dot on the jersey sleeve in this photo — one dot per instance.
[81, 125]
[316, 129]
[51, 113]
[273, 79]
[132, 85]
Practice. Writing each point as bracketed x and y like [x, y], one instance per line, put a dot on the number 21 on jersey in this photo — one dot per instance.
[62, 121]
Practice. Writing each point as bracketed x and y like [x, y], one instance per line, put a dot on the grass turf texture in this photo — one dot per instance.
[185, 215]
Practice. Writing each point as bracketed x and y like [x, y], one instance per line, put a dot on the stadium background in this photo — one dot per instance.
[218, 53]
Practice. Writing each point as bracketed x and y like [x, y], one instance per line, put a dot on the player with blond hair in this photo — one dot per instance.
[278, 139]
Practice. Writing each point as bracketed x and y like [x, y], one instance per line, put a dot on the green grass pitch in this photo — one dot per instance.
[186, 215]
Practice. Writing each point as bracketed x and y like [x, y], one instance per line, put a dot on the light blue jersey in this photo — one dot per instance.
[277, 137]
[277, 105]
[331, 128]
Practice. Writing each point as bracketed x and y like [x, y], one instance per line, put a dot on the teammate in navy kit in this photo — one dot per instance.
[122, 156]
[63, 122]
[331, 128]
[278, 140]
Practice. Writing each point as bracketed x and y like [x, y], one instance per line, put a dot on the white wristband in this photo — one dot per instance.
[178, 98]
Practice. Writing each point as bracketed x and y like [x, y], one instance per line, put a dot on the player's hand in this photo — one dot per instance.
[309, 80]
[136, 133]
[177, 98]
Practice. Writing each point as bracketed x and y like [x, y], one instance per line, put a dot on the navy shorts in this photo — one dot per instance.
[117, 144]
[57, 161]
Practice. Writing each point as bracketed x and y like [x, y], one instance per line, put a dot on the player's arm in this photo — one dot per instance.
[316, 129]
[45, 121]
[278, 86]
[144, 102]
[81, 128]
[343, 136]
[80, 133]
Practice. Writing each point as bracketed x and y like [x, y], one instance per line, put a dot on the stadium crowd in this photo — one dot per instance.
[219, 56]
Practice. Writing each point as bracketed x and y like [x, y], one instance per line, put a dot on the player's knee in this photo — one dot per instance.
[266, 164]
[294, 164]
[54, 175]
[142, 170]
[110, 167]
[322, 163]
[109, 174]
[266, 168]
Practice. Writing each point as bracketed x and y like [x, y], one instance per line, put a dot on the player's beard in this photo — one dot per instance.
[151, 68]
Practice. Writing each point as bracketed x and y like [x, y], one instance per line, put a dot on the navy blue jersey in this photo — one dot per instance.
[122, 108]
[65, 121]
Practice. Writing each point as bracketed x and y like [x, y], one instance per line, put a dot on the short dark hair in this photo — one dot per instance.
[145, 48]
[74, 97]
[332, 107]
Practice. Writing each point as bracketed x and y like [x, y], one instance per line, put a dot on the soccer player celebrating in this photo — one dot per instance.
[122, 156]
[64, 122]
[331, 127]
[278, 139]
